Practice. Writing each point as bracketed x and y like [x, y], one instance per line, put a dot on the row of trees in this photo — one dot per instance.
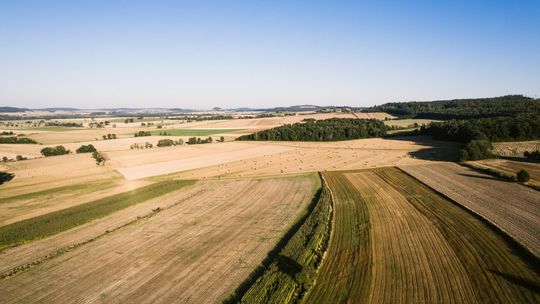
[510, 105]
[198, 140]
[143, 133]
[19, 157]
[64, 124]
[109, 136]
[17, 140]
[322, 130]
[169, 142]
[53, 151]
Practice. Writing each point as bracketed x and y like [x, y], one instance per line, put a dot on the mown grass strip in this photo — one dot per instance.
[290, 268]
[54, 222]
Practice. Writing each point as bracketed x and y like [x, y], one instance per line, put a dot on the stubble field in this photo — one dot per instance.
[395, 240]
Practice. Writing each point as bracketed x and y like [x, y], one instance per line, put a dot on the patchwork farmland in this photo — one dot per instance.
[172, 208]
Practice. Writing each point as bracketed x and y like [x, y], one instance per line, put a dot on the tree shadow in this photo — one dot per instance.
[530, 285]
[484, 177]
[288, 265]
[6, 177]
[520, 159]
[435, 150]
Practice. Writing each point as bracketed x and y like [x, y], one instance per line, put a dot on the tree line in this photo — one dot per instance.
[17, 140]
[509, 105]
[332, 129]
[479, 133]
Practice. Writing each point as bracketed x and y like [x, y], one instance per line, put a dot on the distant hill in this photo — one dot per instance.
[509, 105]
[12, 110]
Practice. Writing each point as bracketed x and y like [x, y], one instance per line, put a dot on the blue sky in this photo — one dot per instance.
[201, 54]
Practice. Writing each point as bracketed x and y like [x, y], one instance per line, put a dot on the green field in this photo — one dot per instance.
[54, 222]
[192, 132]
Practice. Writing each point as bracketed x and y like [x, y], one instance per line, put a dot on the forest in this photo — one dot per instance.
[523, 127]
[509, 105]
[322, 130]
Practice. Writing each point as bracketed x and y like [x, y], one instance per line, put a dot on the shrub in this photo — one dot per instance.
[58, 150]
[86, 149]
[20, 157]
[100, 160]
[523, 176]
[165, 143]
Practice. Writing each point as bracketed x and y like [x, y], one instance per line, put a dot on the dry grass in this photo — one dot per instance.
[395, 240]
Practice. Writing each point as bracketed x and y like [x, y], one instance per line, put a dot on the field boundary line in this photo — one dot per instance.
[509, 238]
[330, 230]
[72, 247]
[237, 295]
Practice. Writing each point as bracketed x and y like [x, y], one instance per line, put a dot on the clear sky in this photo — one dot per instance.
[201, 54]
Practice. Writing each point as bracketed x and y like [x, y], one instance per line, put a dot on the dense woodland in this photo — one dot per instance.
[462, 108]
[524, 127]
[322, 130]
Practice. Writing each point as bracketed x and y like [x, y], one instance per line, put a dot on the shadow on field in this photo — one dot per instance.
[6, 177]
[288, 265]
[530, 285]
[520, 159]
[484, 177]
[435, 150]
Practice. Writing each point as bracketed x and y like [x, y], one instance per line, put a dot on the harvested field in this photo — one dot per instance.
[510, 168]
[24, 206]
[196, 251]
[396, 240]
[290, 269]
[320, 156]
[139, 164]
[60, 220]
[515, 149]
[51, 172]
[510, 206]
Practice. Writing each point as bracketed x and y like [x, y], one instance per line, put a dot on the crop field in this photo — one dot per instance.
[396, 240]
[515, 149]
[196, 250]
[510, 206]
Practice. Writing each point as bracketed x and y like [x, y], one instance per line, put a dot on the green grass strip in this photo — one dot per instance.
[290, 268]
[61, 220]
